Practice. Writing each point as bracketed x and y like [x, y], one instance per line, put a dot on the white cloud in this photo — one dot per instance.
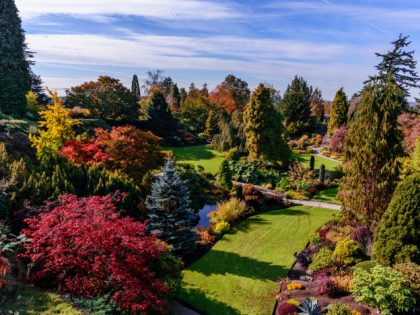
[97, 9]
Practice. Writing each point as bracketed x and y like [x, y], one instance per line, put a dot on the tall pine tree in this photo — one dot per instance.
[339, 111]
[135, 87]
[175, 98]
[15, 79]
[263, 128]
[372, 151]
[170, 215]
[317, 105]
[400, 64]
[296, 106]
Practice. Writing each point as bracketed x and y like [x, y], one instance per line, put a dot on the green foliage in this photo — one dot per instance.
[97, 306]
[295, 106]
[228, 211]
[106, 98]
[225, 179]
[263, 128]
[411, 273]
[169, 211]
[254, 172]
[159, 115]
[339, 110]
[366, 265]
[322, 259]
[55, 128]
[338, 309]
[135, 87]
[384, 288]
[231, 134]
[193, 114]
[348, 252]
[4, 206]
[15, 79]
[397, 237]
[373, 146]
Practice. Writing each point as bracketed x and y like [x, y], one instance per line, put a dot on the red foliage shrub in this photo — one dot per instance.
[86, 248]
[287, 309]
[337, 141]
[410, 126]
[326, 285]
[205, 238]
[126, 148]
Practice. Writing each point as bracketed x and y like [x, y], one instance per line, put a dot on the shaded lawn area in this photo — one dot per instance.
[328, 195]
[199, 155]
[238, 275]
[305, 159]
[30, 301]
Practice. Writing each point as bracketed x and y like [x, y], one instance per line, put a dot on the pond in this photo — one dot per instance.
[204, 218]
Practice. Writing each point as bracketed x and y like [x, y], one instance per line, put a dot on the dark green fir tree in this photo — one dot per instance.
[170, 215]
[159, 115]
[175, 98]
[15, 79]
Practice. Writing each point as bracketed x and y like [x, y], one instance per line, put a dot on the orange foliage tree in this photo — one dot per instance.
[125, 148]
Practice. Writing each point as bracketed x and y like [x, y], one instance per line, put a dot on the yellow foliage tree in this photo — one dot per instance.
[55, 127]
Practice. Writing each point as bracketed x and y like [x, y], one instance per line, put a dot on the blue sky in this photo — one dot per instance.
[331, 43]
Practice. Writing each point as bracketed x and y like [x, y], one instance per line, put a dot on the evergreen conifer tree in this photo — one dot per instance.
[159, 114]
[169, 212]
[397, 237]
[322, 174]
[312, 163]
[211, 127]
[264, 130]
[372, 151]
[295, 106]
[400, 64]
[339, 110]
[225, 175]
[317, 105]
[135, 87]
[175, 98]
[15, 79]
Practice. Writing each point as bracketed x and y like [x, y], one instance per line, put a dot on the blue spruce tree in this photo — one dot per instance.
[170, 215]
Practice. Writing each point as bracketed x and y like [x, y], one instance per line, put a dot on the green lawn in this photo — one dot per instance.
[328, 195]
[199, 155]
[30, 301]
[238, 275]
[305, 158]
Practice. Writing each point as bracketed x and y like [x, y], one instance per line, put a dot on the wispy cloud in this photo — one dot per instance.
[160, 9]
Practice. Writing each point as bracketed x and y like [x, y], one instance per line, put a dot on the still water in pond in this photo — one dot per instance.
[203, 213]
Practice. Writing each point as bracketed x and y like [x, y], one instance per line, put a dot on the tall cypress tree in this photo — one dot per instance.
[15, 79]
[296, 106]
[339, 110]
[317, 105]
[135, 87]
[159, 114]
[263, 128]
[170, 215]
[372, 151]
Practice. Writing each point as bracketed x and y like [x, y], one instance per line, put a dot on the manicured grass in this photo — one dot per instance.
[30, 301]
[238, 275]
[328, 195]
[199, 155]
[305, 159]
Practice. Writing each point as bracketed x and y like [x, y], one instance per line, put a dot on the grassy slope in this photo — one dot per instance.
[238, 275]
[30, 301]
[328, 195]
[305, 158]
[199, 155]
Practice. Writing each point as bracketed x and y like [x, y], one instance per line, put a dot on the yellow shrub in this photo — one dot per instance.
[293, 302]
[228, 211]
[294, 286]
[221, 227]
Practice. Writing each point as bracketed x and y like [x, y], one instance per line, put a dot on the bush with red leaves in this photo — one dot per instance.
[337, 141]
[287, 309]
[85, 247]
[326, 285]
[125, 149]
